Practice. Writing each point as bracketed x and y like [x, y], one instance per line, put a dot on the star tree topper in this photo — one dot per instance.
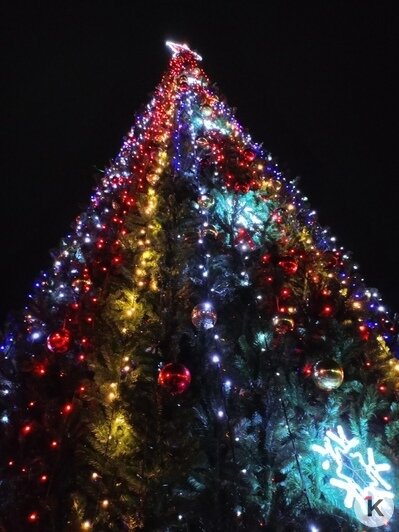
[181, 48]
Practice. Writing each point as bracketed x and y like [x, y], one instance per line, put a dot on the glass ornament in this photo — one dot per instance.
[283, 325]
[202, 142]
[59, 341]
[328, 374]
[203, 316]
[288, 265]
[205, 201]
[174, 378]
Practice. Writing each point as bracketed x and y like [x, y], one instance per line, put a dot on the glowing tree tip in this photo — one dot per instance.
[178, 48]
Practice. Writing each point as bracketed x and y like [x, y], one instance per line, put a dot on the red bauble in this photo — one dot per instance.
[289, 265]
[249, 155]
[364, 332]
[174, 378]
[59, 341]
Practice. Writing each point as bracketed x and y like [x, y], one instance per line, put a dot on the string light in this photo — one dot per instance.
[146, 160]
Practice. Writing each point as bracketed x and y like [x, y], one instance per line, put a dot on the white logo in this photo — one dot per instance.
[375, 510]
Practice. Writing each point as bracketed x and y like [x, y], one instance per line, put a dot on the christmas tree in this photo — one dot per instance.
[201, 356]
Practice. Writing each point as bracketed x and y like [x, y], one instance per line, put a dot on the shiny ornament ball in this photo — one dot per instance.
[249, 155]
[328, 374]
[283, 325]
[174, 378]
[205, 201]
[208, 231]
[364, 332]
[153, 178]
[202, 142]
[203, 316]
[59, 341]
[288, 265]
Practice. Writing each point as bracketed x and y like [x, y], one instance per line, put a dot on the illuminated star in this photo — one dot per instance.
[181, 48]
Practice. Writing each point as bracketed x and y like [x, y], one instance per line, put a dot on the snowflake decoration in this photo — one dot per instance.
[343, 452]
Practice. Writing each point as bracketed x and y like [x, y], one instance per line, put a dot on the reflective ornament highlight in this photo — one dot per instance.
[249, 155]
[174, 378]
[288, 265]
[209, 230]
[283, 325]
[328, 374]
[202, 143]
[205, 201]
[59, 341]
[203, 316]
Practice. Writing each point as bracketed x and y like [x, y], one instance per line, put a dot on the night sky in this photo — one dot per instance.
[316, 85]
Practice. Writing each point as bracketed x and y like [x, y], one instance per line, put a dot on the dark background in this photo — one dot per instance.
[314, 81]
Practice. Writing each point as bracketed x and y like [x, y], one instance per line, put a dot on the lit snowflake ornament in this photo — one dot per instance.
[359, 476]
